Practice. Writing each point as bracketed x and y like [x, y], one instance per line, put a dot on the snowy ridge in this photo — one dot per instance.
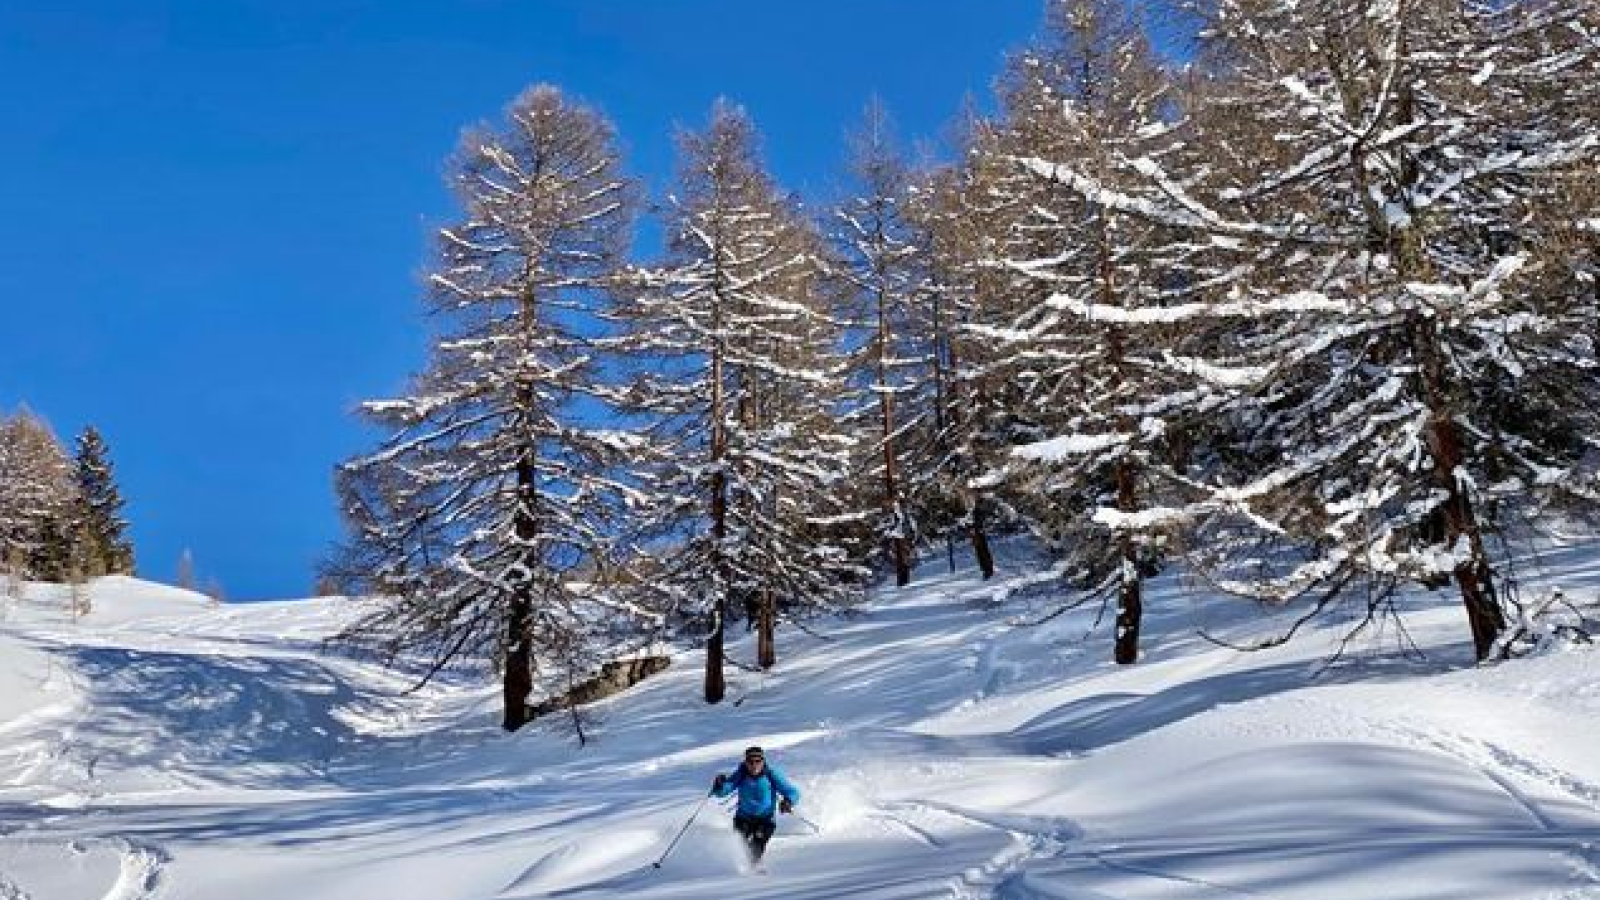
[945, 752]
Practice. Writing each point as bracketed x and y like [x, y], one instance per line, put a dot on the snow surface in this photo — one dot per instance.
[167, 747]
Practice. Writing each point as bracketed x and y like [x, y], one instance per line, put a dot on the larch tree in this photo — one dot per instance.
[741, 386]
[1420, 368]
[37, 495]
[487, 512]
[1088, 348]
[882, 266]
[964, 212]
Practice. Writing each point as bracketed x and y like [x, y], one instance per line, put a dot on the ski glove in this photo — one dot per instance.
[719, 781]
[784, 806]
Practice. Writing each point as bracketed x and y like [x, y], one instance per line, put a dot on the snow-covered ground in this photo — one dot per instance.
[167, 747]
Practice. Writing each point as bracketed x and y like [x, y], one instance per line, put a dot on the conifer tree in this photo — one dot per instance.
[1381, 173]
[1082, 347]
[746, 458]
[37, 496]
[964, 217]
[884, 273]
[494, 492]
[99, 524]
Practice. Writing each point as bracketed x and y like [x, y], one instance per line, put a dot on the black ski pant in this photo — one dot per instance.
[756, 831]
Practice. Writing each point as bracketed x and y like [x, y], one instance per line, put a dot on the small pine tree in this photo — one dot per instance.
[99, 508]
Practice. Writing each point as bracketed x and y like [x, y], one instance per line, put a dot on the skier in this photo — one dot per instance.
[763, 793]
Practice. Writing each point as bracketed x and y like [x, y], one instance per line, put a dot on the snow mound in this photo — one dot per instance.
[591, 859]
[111, 600]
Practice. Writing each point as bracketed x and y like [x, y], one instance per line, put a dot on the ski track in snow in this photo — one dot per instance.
[1029, 839]
[1489, 758]
[1105, 859]
[1495, 762]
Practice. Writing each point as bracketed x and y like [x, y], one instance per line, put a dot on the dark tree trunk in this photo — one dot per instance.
[519, 664]
[519, 637]
[716, 686]
[1474, 574]
[1130, 587]
[1484, 615]
[1130, 610]
[766, 636]
[1130, 580]
[980, 541]
[891, 474]
[902, 561]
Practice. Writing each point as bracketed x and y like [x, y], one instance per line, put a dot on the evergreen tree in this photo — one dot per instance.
[98, 517]
[494, 492]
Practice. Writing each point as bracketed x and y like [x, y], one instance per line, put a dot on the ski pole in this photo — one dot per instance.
[814, 826]
[684, 830]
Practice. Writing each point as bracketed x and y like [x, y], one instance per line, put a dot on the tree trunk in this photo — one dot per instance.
[980, 540]
[766, 636]
[1130, 587]
[1474, 574]
[1130, 594]
[1484, 615]
[716, 686]
[902, 562]
[519, 663]
[891, 475]
[519, 649]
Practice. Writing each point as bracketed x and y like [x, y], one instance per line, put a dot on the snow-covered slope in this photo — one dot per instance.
[166, 747]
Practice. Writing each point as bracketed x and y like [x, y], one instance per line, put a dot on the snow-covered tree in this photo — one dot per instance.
[37, 495]
[1086, 346]
[1382, 173]
[879, 259]
[964, 213]
[487, 512]
[741, 386]
[101, 528]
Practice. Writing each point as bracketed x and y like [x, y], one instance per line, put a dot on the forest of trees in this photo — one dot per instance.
[60, 513]
[1309, 308]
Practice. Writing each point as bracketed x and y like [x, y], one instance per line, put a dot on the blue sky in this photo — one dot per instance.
[214, 211]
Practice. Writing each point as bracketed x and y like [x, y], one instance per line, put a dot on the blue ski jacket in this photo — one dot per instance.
[758, 794]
